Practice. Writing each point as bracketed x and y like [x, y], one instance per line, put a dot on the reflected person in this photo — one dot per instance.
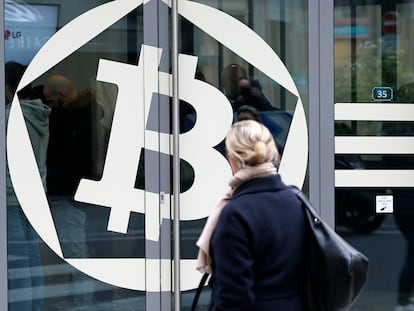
[247, 112]
[229, 78]
[70, 158]
[247, 94]
[25, 275]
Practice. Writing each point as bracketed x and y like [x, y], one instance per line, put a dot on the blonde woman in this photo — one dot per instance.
[253, 241]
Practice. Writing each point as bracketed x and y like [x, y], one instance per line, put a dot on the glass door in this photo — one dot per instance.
[374, 161]
[83, 147]
[251, 62]
[89, 106]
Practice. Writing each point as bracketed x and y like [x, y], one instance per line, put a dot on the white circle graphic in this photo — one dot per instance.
[22, 164]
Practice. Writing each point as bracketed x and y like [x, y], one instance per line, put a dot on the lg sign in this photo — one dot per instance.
[12, 34]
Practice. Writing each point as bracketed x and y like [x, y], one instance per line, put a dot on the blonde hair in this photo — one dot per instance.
[251, 143]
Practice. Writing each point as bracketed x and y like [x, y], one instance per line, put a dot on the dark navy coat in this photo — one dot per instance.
[258, 249]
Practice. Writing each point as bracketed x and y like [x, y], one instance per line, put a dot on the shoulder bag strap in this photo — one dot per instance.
[198, 292]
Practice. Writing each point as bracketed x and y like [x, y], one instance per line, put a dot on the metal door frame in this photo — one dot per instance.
[321, 108]
[3, 210]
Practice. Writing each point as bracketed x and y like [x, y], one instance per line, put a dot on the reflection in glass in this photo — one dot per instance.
[373, 50]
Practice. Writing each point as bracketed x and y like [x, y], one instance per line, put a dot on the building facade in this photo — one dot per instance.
[112, 151]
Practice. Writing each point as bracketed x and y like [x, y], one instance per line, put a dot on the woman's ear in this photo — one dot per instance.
[234, 163]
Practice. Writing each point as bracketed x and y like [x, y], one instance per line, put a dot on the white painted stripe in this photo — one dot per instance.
[374, 178]
[166, 275]
[190, 277]
[374, 112]
[114, 271]
[374, 145]
[144, 273]
[152, 275]
[152, 216]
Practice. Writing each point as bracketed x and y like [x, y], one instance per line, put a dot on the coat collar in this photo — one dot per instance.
[260, 184]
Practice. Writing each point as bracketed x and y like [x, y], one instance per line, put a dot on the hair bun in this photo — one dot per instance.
[260, 151]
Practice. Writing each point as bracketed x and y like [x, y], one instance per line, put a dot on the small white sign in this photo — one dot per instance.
[384, 204]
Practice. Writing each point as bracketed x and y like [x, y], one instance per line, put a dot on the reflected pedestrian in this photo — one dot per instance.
[247, 112]
[25, 276]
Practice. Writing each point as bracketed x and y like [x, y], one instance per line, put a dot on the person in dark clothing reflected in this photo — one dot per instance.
[25, 275]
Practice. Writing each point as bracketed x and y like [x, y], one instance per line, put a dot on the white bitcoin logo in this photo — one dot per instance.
[116, 188]
[211, 171]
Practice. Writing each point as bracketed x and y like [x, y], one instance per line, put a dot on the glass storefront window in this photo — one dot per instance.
[69, 116]
[283, 26]
[373, 127]
[89, 181]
